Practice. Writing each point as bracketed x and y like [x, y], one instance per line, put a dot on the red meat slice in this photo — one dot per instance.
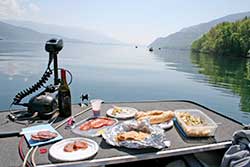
[46, 134]
[80, 145]
[74, 146]
[96, 123]
[43, 135]
[85, 126]
[35, 137]
[69, 147]
[108, 122]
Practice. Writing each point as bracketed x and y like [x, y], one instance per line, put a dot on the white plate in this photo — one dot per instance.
[127, 112]
[56, 150]
[166, 125]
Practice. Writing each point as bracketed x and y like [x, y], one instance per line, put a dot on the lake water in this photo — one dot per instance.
[126, 73]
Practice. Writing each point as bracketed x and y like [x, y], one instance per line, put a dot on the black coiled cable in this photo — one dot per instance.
[19, 96]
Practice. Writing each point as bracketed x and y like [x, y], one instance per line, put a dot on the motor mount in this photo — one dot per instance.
[44, 103]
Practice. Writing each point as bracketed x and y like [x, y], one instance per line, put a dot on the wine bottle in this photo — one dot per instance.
[64, 97]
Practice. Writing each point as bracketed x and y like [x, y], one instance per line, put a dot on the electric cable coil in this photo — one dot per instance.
[19, 96]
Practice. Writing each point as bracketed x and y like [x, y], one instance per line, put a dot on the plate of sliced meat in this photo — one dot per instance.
[94, 126]
[73, 149]
[40, 135]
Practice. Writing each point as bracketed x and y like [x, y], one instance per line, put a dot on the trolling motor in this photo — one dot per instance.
[44, 104]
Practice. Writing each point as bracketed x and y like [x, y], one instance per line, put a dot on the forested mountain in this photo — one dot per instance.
[227, 39]
[185, 37]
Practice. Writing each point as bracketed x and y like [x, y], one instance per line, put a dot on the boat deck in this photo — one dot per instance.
[113, 155]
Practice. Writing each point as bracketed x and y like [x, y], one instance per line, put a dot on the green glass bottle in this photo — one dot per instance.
[64, 97]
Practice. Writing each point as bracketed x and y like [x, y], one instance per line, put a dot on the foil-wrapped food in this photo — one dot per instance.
[134, 134]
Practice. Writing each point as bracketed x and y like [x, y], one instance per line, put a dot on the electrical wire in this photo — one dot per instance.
[27, 156]
[33, 156]
[13, 116]
[33, 88]
[20, 150]
[54, 117]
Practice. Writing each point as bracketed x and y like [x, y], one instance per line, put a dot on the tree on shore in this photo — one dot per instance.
[227, 38]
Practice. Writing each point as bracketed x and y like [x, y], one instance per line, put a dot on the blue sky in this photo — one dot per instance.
[133, 21]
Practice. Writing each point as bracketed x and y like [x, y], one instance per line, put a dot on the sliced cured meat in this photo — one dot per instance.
[105, 121]
[80, 144]
[35, 137]
[109, 122]
[69, 147]
[43, 135]
[96, 123]
[85, 126]
[46, 134]
[74, 146]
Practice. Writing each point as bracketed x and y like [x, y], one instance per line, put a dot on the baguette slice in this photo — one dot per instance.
[155, 116]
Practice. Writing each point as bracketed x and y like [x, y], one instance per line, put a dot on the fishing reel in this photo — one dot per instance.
[45, 104]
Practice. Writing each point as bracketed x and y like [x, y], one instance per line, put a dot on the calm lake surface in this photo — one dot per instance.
[126, 73]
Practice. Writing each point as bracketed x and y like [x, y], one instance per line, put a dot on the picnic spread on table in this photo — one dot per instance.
[127, 132]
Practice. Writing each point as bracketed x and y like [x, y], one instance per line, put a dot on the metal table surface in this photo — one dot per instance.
[113, 155]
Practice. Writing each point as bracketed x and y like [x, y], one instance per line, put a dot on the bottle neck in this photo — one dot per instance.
[63, 76]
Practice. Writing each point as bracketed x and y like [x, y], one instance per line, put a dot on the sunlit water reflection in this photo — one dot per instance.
[126, 73]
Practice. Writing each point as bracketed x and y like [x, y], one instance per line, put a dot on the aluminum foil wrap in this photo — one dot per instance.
[157, 138]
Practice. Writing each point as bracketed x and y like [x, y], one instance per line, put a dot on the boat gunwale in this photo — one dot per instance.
[145, 156]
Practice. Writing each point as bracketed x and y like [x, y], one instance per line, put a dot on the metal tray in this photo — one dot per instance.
[91, 132]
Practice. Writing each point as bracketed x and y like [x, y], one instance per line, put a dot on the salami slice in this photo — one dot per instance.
[76, 145]
[85, 126]
[109, 122]
[80, 145]
[69, 147]
[43, 135]
[96, 123]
